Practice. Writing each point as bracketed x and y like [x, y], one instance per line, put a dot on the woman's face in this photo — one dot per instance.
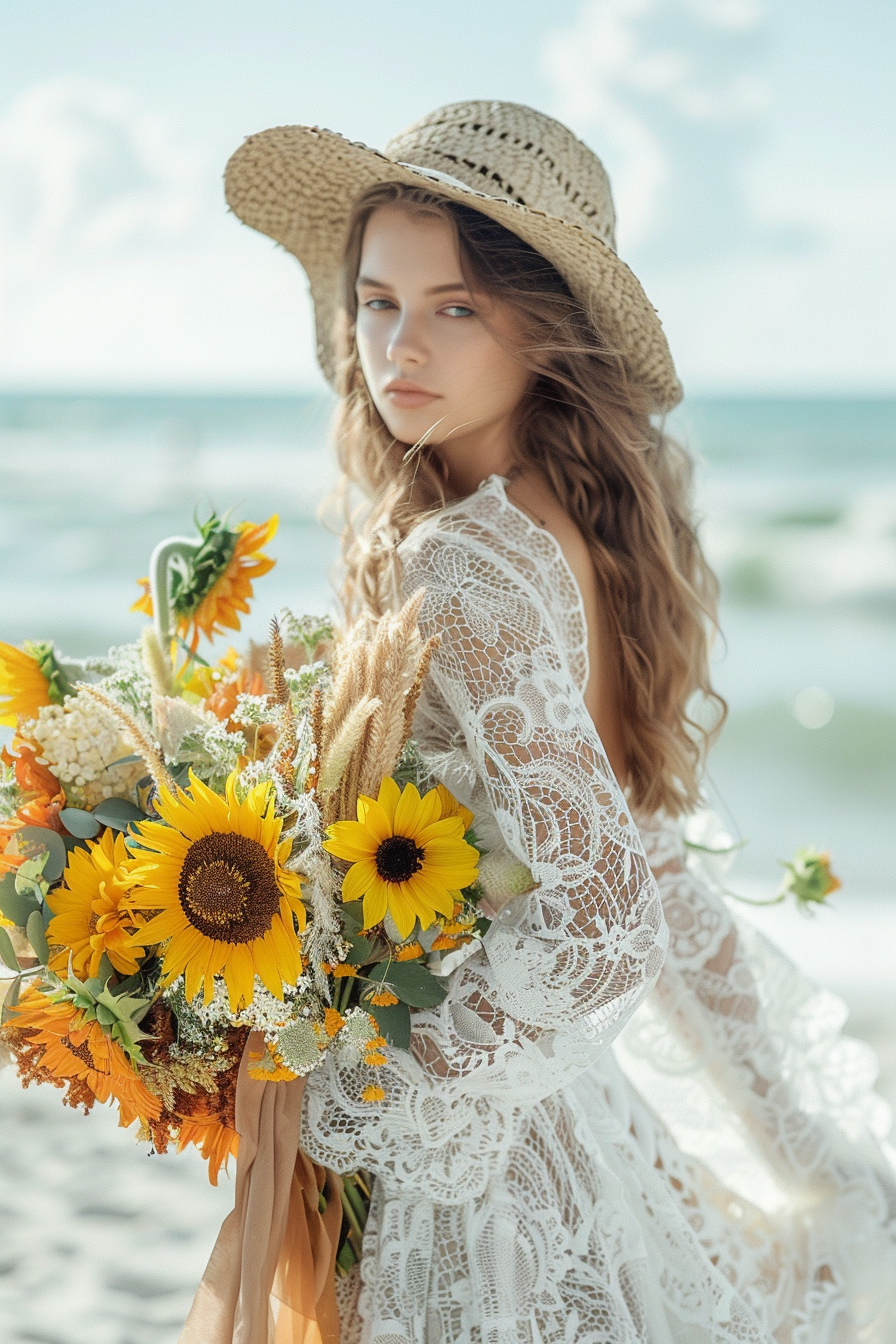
[433, 366]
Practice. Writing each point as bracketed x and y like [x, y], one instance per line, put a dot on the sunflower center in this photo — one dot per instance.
[228, 887]
[398, 858]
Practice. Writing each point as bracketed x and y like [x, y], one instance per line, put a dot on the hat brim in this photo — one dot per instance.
[299, 184]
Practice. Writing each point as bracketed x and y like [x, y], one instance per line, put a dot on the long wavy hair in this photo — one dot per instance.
[587, 429]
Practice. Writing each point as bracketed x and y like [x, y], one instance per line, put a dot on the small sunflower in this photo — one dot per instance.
[90, 911]
[71, 1048]
[222, 901]
[215, 582]
[405, 856]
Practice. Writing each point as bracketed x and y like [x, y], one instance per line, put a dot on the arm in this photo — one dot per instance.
[562, 969]
[576, 955]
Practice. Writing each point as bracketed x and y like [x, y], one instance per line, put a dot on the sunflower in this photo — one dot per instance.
[216, 580]
[223, 902]
[72, 1048]
[23, 687]
[90, 914]
[405, 856]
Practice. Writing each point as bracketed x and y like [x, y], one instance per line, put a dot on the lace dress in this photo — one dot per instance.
[538, 1178]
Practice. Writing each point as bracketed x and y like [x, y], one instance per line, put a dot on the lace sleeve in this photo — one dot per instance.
[576, 955]
[503, 723]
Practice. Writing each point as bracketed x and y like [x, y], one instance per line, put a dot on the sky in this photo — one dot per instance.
[749, 144]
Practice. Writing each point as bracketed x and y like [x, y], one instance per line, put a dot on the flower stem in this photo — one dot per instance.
[159, 564]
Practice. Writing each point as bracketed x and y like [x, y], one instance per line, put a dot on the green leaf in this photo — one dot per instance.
[413, 983]
[361, 950]
[37, 938]
[394, 1023]
[125, 760]
[352, 917]
[16, 905]
[118, 813]
[7, 951]
[79, 823]
[32, 841]
[12, 998]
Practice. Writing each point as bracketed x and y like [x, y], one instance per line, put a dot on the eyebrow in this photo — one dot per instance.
[436, 289]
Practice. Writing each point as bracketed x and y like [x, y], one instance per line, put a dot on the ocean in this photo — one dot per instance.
[798, 499]
[100, 1243]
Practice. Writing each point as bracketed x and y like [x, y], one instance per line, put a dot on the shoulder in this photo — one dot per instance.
[484, 555]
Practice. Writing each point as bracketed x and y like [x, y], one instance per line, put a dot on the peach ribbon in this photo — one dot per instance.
[270, 1276]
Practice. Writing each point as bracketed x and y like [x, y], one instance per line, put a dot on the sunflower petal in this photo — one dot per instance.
[358, 879]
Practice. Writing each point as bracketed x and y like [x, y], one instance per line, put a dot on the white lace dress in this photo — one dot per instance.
[631, 1119]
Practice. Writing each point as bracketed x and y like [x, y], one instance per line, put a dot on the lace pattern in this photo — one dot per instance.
[528, 1188]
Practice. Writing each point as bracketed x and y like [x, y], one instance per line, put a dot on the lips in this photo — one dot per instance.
[402, 392]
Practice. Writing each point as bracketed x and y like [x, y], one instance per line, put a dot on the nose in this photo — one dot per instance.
[407, 344]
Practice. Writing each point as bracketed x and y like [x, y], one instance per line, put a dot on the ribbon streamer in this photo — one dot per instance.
[270, 1277]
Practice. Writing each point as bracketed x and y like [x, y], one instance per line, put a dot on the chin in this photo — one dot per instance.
[410, 428]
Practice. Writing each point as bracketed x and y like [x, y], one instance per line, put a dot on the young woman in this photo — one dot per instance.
[631, 1119]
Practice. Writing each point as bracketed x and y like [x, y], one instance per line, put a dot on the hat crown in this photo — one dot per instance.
[512, 152]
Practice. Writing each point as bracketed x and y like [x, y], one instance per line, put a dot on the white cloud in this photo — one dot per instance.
[121, 264]
[631, 74]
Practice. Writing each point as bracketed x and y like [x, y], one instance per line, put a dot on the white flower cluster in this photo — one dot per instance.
[79, 743]
[265, 1013]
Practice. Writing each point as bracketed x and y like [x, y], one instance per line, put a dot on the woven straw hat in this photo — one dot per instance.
[298, 184]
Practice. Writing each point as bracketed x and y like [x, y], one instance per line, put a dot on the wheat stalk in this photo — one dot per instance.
[344, 743]
[139, 737]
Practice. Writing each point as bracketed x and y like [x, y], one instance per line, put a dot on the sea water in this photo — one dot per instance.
[798, 507]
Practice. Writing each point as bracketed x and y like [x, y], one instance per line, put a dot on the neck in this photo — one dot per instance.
[469, 459]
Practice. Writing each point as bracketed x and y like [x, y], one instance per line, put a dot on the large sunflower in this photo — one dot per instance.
[67, 1047]
[406, 856]
[216, 580]
[90, 911]
[224, 903]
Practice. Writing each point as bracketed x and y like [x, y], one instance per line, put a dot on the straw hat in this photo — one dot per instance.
[298, 184]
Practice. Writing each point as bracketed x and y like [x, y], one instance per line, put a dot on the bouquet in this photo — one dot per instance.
[208, 867]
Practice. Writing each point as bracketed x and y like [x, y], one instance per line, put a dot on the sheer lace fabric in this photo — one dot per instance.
[531, 1186]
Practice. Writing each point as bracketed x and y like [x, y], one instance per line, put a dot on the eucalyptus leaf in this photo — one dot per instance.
[7, 952]
[118, 813]
[411, 982]
[352, 917]
[79, 823]
[16, 905]
[105, 970]
[394, 1023]
[37, 938]
[33, 840]
[12, 998]
[361, 950]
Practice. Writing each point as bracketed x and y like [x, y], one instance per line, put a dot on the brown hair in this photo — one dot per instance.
[586, 427]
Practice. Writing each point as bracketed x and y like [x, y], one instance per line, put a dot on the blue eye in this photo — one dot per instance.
[457, 310]
[378, 304]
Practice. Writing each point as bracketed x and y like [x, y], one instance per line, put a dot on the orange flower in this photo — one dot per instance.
[219, 583]
[333, 1021]
[222, 701]
[216, 1142]
[44, 798]
[343, 971]
[383, 999]
[73, 1048]
[373, 1093]
[409, 952]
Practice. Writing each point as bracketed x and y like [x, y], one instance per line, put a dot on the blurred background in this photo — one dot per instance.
[156, 356]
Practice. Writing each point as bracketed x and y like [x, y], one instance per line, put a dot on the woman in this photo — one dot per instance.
[630, 1120]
